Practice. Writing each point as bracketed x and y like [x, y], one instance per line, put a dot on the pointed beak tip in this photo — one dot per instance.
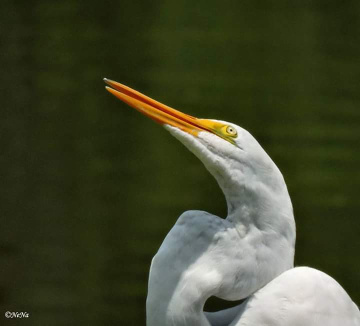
[107, 81]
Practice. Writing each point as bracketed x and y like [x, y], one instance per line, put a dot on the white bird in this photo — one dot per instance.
[250, 254]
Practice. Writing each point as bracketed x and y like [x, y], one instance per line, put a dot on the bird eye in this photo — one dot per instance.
[231, 131]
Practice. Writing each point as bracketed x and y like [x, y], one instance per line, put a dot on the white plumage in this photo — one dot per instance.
[249, 254]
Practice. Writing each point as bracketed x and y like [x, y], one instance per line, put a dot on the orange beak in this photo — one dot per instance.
[163, 114]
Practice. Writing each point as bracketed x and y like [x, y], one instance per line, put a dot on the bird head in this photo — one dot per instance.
[229, 152]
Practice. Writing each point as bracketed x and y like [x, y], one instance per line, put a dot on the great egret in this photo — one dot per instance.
[249, 254]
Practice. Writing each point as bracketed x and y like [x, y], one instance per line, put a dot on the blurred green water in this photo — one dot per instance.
[90, 188]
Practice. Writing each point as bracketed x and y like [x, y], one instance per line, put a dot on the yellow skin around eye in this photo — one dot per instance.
[225, 131]
[222, 130]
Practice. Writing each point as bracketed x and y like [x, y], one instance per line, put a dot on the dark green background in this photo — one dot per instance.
[89, 187]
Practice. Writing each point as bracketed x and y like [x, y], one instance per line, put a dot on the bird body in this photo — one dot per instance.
[249, 254]
[198, 260]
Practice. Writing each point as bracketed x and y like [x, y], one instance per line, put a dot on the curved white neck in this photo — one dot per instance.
[183, 274]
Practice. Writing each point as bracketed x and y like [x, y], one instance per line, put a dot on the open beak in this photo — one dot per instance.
[160, 112]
